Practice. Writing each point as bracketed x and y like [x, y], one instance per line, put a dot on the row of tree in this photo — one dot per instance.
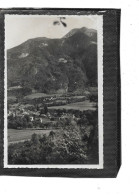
[22, 122]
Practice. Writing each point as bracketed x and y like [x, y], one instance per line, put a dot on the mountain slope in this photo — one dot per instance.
[53, 65]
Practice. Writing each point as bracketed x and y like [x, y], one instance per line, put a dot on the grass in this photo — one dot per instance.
[11, 99]
[85, 105]
[36, 95]
[41, 95]
[15, 135]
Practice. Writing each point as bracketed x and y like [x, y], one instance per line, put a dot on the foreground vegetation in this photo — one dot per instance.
[65, 133]
[71, 145]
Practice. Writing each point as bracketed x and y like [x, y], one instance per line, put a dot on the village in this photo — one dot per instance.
[41, 111]
[38, 120]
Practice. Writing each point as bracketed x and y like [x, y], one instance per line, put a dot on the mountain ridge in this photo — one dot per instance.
[49, 65]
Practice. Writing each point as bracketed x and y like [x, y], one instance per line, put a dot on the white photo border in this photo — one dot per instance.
[100, 101]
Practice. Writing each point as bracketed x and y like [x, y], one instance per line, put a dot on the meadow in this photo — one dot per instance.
[15, 136]
[81, 106]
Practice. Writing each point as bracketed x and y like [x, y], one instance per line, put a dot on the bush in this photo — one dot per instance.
[65, 147]
[93, 98]
[19, 122]
[30, 125]
[12, 125]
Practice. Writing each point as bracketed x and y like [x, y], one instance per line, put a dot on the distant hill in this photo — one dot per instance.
[55, 65]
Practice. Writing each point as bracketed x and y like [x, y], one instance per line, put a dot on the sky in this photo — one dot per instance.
[20, 28]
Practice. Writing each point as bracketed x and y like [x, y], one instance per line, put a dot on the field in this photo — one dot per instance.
[41, 95]
[36, 95]
[15, 135]
[85, 105]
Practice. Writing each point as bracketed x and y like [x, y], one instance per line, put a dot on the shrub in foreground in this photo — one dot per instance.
[64, 147]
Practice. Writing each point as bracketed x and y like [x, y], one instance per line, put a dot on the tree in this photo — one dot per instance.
[30, 124]
[45, 109]
[27, 118]
[35, 139]
[19, 122]
[93, 98]
[26, 91]
[25, 123]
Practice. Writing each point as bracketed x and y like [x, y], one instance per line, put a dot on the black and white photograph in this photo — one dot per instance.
[54, 91]
[69, 95]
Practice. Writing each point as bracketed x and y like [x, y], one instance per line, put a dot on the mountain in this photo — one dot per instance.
[89, 32]
[55, 65]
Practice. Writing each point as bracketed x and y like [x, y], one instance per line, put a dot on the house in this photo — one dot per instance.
[38, 119]
[25, 113]
[73, 116]
[48, 115]
[41, 120]
[9, 113]
[62, 60]
[31, 118]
